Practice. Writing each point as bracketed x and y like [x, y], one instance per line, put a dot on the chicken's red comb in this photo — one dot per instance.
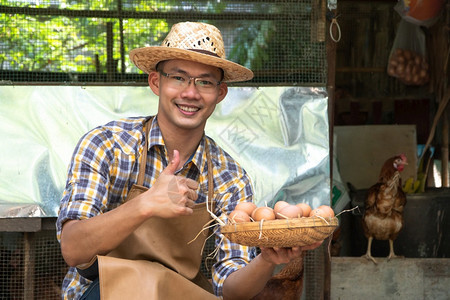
[403, 157]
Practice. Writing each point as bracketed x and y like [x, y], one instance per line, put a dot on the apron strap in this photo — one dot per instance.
[210, 177]
[143, 159]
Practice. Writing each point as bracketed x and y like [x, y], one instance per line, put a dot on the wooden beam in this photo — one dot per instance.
[131, 14]
[29, 224]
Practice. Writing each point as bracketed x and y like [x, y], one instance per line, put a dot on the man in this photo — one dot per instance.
[183, 169]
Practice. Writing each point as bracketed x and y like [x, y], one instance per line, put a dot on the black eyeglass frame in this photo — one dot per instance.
[190, 78]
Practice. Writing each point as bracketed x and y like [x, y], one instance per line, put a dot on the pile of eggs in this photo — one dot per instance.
[248, 211]
[409, 67]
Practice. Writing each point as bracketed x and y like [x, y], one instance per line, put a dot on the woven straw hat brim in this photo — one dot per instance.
[147, 58]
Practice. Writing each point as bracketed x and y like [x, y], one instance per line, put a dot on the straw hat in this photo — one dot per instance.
[199, 42]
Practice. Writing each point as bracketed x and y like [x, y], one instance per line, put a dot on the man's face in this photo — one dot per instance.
[182, 104]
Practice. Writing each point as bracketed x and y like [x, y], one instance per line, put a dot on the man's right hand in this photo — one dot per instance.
[171, 195]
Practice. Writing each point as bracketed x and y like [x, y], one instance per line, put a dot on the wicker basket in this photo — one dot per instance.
[281, 233]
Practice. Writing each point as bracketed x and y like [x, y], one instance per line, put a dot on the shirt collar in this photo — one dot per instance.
[156, 139]
[199, 158]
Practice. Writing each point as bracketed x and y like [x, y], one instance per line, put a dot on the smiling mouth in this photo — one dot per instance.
[188, 108]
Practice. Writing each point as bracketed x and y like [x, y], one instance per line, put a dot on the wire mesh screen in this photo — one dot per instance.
[31, 266]
[87, 42]
[208, 259]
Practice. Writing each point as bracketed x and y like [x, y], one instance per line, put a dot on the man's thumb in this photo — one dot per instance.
[173, 165]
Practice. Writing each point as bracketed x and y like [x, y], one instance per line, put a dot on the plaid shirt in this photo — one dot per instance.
[105, 165]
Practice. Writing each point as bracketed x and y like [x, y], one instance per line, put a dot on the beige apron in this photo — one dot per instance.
[157, 261]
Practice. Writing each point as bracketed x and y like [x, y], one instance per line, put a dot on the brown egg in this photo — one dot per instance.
[238, 216]
[423, 73]
[407, 54]
[393, 63]
[263, 213]
[328, 210]
[248, 207]
[323, 211]
[279, 206]
[391, 70]
[417, 59]
[290, 212]
[306, 209]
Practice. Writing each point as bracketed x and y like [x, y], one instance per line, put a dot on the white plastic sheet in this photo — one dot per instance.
[278, 134]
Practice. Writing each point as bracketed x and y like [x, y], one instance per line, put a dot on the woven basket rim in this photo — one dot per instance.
[309, 222]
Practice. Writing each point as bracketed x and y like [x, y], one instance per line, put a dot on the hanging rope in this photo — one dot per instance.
[334, 23]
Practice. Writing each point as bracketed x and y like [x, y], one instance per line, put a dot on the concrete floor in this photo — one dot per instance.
[400, 278]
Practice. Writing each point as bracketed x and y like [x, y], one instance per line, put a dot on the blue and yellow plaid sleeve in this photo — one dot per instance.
[231, 256]
[99, 172]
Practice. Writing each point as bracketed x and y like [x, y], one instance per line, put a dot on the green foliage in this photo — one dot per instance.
[251, 44]
[60, 43]
[280, 45]
[71, 43]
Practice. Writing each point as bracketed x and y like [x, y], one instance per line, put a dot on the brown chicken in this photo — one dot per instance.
[383, 216]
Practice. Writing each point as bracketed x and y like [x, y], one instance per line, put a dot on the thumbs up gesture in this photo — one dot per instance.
[172, 195]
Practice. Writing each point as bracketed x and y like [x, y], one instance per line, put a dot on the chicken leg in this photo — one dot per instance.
[368, 254]
[391, 250]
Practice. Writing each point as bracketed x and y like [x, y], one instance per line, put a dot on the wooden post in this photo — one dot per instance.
[28, 265]
[444, 149]
[446, 125]
[110, 65]
[122, 46]
[331, 46]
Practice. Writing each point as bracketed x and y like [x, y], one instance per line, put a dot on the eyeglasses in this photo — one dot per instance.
[182, 81]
